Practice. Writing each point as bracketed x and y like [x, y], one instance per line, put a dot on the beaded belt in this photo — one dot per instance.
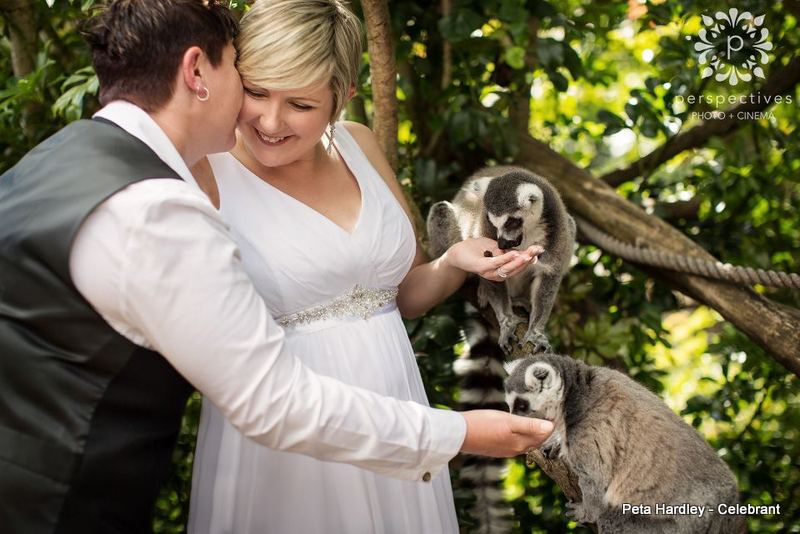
[359, 303]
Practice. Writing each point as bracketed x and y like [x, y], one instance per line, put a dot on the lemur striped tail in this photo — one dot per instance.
[481, 373]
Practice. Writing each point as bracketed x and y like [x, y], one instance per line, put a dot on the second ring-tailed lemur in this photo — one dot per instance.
[517, 208]
[640, 467]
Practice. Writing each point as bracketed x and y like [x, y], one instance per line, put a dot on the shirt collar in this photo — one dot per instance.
[141, 125]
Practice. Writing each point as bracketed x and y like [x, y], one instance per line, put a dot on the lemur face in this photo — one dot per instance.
[533, 389]
[513, 213]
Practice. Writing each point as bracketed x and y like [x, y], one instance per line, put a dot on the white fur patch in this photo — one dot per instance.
[474, 333]
[484, 472]
[463, 366]
[481, 396]
[476, 189]
[498, 220]
[528, 194]
[510, 398]
[492, 494]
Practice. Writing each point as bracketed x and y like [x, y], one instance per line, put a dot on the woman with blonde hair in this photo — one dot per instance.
[325, 234]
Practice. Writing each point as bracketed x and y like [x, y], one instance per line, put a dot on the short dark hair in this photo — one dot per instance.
[137, 45]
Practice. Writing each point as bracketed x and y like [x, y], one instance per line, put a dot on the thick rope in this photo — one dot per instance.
[686, 264]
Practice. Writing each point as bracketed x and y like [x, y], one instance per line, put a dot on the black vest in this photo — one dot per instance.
[88, 420]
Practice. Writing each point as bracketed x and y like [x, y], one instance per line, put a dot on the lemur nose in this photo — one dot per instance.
[540, 373]
[506, 244]
[520, 406]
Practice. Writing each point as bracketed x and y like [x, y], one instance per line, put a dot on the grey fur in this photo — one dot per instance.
[625, 445]
[497, 195]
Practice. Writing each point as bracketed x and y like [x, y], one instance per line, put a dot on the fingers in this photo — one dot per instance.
[501, 265]
[500, 434]
[504, 258]
[509, 264]
[536, 430]
[518, 263]
[498, 268]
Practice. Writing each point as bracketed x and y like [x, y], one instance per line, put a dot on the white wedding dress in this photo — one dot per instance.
[299, 260]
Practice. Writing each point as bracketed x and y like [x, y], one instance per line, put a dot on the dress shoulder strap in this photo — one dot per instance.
[350, 150]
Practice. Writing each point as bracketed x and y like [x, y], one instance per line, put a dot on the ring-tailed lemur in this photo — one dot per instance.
[626, 447]
[518, 209]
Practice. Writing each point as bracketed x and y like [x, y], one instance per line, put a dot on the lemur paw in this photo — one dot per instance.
[508, 335]
[442, 227]
[538, 340]
[577, 512]
[551, 448]
[551, 451]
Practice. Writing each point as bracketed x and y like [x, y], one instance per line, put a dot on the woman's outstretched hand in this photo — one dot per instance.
[473, 256]
[503, 435]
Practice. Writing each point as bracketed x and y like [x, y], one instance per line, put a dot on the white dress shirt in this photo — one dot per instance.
[159, 265]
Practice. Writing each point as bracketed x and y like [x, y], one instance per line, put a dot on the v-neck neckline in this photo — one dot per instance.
[342, 229]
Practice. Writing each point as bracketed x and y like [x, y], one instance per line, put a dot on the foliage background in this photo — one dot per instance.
[603, 82]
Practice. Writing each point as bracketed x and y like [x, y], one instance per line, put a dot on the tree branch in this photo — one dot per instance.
[780, 82]
[519, 105]
[680, 209]
[384, 79]
[447, 49]
[773, 326]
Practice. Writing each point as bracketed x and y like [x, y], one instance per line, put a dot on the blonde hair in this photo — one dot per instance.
[287, 44]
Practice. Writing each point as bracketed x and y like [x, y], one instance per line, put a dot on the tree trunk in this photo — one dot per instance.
[19, 15]
[21, 21]
[519, 106]
[380, 44]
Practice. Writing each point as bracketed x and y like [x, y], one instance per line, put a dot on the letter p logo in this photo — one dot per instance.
[731, 39]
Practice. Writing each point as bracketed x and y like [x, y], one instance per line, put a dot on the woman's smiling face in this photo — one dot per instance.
[280, 127]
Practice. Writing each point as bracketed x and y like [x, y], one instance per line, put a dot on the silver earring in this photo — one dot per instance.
[331, 133]
[202, 92]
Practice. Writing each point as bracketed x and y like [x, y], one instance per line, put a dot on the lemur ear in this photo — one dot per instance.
[527, 195]
[537, 373]
[477, 187]
[513, 364]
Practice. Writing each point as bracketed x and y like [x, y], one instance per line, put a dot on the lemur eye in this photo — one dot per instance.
[513, 223]
[520, 406]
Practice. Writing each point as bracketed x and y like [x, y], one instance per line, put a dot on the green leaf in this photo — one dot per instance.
[560, 81]
[613, 122]
[572, 61]
[515, 57]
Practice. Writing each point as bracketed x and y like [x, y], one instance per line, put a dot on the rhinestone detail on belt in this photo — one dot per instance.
[359, 302]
